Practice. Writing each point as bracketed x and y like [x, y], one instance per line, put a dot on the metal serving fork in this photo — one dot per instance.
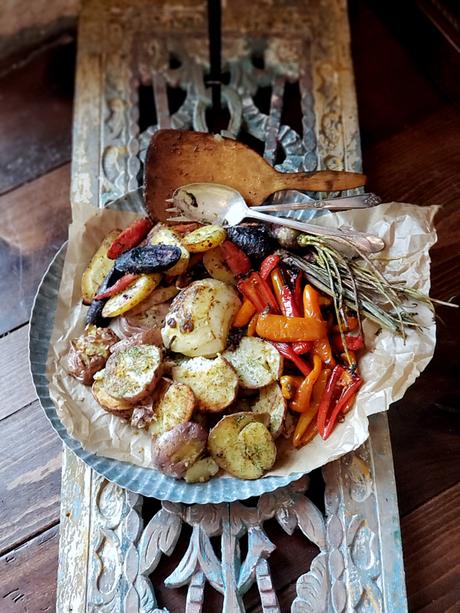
[219, 204]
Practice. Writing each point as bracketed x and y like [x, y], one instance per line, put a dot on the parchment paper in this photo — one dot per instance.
[389, 365]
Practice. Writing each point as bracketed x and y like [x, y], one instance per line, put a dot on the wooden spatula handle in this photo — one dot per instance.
[319, 181]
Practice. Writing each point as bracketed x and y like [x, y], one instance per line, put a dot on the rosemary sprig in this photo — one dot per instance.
[358, 283]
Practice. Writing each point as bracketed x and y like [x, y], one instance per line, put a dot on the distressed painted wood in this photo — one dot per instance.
[30, 466]
[359, 559]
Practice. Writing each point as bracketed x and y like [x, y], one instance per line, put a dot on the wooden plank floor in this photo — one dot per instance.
[410, 127]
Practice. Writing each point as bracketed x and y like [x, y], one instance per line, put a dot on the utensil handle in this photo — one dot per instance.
[368, 243]
[318, 181]
[363, 201]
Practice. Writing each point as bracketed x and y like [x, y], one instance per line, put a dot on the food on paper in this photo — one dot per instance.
[221, 344]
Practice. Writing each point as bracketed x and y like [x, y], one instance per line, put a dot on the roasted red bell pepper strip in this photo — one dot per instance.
[289, 306]
[120, 285]
[326, 400]
[298, 292]
[286, 351]
[257, 290]
[341, 404]
[284, 295]
[130, 237]
[235, 258]
[269, 264]
[354, 342]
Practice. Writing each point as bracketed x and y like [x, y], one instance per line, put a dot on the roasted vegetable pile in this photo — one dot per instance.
[217, 342]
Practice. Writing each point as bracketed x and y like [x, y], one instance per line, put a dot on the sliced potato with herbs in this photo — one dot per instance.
[131, 296]
[174, 406]
[159, 295]
[204, 238]
[200, 317]
[116, 406]
[242, 445]
[131, 374]
[98, 268]
[214, 262]
[256, 362]
[162, 235]
[176, 450]
[213, 381]
[201, 471]
[272, 402]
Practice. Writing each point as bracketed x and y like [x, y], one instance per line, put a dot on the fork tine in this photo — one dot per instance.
[173, 209]
[169, 200]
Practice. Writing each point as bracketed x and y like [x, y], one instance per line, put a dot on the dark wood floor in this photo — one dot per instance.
[406, 79]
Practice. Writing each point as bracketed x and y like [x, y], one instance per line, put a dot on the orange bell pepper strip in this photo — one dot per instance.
[289, 385]
[309, 434]
[246, 311]
[289, 329]
[252, 325]
[312, 308]
[308, 417]
[301, 401]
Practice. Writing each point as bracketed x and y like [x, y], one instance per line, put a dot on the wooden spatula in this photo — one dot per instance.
[176, 158]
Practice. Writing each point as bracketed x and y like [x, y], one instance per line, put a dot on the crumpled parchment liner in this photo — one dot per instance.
[389, 365]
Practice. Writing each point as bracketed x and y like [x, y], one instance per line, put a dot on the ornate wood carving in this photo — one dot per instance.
[107, 554]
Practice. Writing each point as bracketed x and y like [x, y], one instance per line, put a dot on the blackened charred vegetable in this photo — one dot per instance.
[94, 313]
[149, 259]
[254, 240]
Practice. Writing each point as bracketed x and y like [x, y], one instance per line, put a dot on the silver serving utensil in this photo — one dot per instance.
[222, 205]
[293, 200]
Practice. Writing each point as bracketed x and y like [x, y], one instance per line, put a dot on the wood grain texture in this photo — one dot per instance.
[29, 575]
[425, 425]
[33, 225]
[30, 476]
[431, 542]
[35, 110]
[14, 363]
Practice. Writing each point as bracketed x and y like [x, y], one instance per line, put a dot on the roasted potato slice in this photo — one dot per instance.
[160, 295]
[200, 317]
[201, 471]
[89, 352]
[213, 381]
[176, 450]
[214, 263]
[150, 321]
[174, 406]
[271, 401]
[98, 268]
[256, 362]
[131, 296]
[132, 373]
[162, 235]
[204, 239]
[242, 445]
[117, 407]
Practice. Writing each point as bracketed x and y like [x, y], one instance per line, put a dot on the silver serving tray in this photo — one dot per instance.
[145, 481]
